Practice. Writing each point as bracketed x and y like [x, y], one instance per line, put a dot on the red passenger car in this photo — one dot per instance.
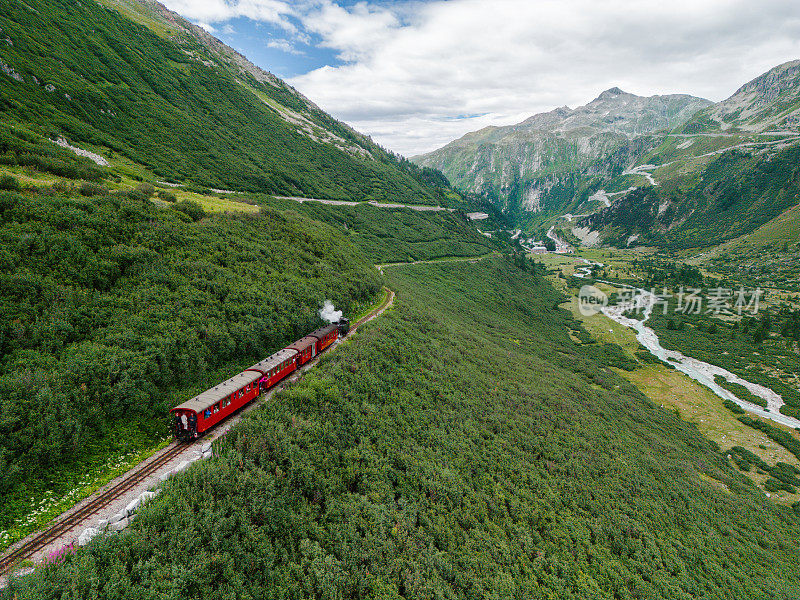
[306, 349]
[325, 336]
[275, 367]
[194, 417]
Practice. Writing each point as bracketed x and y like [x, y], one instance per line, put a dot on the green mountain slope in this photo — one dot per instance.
[180, 104]
[541, 164]
[111, 308]
[734, 194]
[732, 168]
[462, 446]
[769, 255]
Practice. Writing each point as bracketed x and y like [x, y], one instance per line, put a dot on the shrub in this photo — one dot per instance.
[733, 407]
[645, 356]
[145, 189]
[167, 196]
[9, 182]
[740, 391]
[92, 189]
[191, 209]
[773, 485]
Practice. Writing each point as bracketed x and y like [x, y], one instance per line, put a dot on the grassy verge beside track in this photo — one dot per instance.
[361, 310]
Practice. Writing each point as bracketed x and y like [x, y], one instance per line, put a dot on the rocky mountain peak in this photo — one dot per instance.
[527, 161]
[611, 93]
[770, 101]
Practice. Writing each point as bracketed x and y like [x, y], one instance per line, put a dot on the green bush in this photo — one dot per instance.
[146, 190]
[787, 440]
[733, 407]
[92, 189]
[644, 355]
[190, 208]
[740, 391]
[10, 183]
[774, 485]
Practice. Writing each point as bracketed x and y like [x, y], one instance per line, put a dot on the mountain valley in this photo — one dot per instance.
[171, 213]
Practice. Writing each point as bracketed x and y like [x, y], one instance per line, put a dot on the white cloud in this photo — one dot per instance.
[408, 76]
[217, 11]
[410, 69]
[283, 45]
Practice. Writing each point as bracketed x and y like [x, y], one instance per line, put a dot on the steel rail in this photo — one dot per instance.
[73, 519]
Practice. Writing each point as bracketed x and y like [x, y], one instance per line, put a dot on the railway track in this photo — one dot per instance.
[72, 520]
[69, 521]
[376, 312]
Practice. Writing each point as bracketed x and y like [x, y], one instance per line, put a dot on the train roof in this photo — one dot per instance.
[213, 395]
[323, 331]
[272, 361]
[303, 343]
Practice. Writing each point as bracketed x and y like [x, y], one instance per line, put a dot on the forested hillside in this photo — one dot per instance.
[112, 308]
[462, 446]
[170, 104]
[400, 235]
[736, 193]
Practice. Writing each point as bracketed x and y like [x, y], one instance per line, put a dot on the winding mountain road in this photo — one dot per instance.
[417, 207]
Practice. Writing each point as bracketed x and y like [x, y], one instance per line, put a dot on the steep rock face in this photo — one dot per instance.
[540, 163]
[770, 102]
[729, 170]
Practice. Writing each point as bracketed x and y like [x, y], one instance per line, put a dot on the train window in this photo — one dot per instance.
[216, 407]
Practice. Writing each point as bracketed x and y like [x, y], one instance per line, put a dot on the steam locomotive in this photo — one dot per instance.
[195, 417]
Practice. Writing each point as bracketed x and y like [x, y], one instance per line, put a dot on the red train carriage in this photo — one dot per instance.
[306, 349]
[194, 417]
[275, 367]
[325, 336]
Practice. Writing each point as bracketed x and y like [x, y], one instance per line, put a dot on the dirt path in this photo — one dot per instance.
[469, 259]
[417, 207]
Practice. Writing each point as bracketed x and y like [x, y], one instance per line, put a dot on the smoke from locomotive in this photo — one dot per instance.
[329, 313]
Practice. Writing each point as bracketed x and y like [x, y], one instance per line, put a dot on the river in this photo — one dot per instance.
[698, 370]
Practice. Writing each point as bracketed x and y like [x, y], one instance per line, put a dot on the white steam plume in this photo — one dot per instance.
[329, 313]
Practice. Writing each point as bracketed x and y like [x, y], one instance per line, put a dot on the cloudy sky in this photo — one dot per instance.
[416, 75]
